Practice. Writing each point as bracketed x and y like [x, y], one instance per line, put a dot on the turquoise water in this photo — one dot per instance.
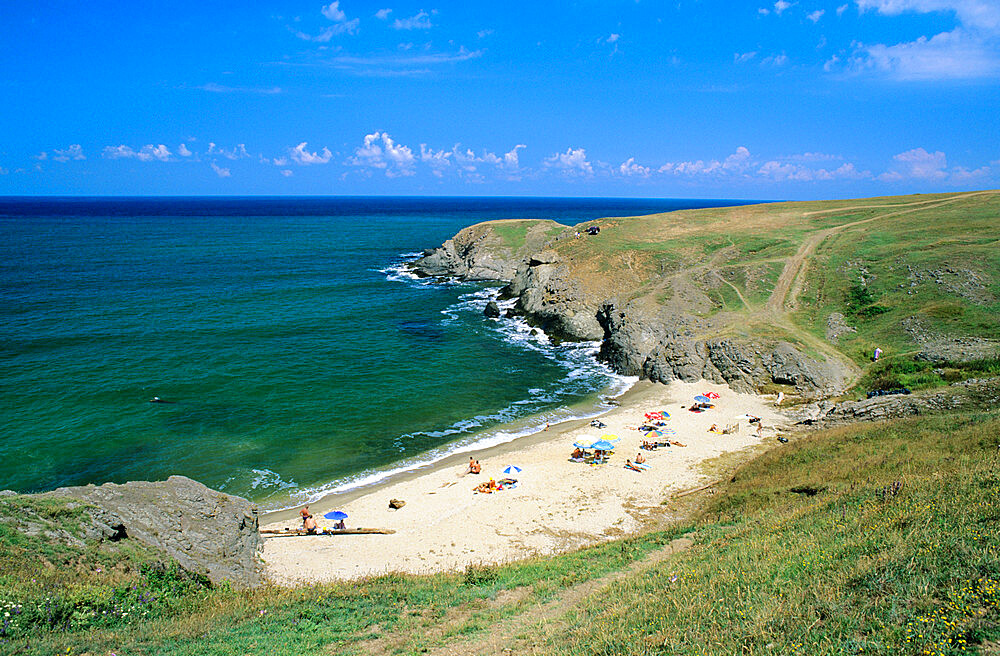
[297, 358]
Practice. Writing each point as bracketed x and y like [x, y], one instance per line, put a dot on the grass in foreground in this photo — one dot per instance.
[874, 539]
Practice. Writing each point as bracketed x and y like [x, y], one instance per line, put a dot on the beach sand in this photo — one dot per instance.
[558, 505]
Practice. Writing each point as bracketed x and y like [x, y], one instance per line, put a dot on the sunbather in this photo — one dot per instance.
[639, 458]
[309, 524]
[629, 465]
[577, 453]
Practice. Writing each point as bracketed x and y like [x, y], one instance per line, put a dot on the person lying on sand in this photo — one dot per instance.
[753, 419]
[629, 465]
[677, 443]
[649, 446]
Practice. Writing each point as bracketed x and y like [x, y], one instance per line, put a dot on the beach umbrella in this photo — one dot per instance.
[512, 469]
[581, 445]
[655, 433]
[610, 438]
[336, 515]
[712, 395]
[602, 445]
[702, 399]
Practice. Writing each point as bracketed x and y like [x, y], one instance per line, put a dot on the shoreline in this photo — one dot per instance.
[335, 499]
[557, 506]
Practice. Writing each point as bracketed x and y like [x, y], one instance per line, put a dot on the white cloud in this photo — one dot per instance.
[968, 51]
[775, 60]
[949, 55]
[780, 6]
[763, 11]
[381, 152]
[75, 151]
[482, 34]
[613, 38]
[783, 171]
[917, 164]
[221, 172]
[383, 14]
[212, 87]
[980, 14]
[841, 9]
[286, 172]
[421, 21]
[240, 152]
[740, 57]
[42, 156]
[630, 168]
[816, 15]
[145, 154]
[400, 64]
[572, 162]
[303, 157]
[333, 12]
[183, 151]
[280, 161]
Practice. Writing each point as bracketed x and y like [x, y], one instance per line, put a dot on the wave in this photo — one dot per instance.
[584, 376]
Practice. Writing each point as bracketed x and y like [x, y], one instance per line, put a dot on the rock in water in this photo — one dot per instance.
[492, 310]
[207, 532]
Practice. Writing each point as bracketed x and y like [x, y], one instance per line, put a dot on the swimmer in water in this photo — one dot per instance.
[157, 399]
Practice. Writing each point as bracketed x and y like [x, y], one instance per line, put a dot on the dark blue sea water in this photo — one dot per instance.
[298, 359]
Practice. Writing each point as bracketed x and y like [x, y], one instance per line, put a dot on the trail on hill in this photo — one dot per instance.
[784, 296]
[789, 283]
[521, 633]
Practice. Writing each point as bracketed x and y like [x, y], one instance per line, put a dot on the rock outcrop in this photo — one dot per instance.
[207, 532]
[479, 252]
[662, 346]
[965, 395]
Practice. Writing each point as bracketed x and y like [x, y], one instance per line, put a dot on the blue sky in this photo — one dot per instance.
[708, 99]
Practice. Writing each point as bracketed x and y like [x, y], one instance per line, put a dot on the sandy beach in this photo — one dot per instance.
[557, 504]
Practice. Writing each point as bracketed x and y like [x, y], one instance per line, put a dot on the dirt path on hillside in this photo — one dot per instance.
[790, 282]
[521, 633]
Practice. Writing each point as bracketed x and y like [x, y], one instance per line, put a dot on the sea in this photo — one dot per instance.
[295, 354]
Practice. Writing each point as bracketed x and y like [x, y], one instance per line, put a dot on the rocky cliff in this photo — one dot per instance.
[207, 532]
[562, 294]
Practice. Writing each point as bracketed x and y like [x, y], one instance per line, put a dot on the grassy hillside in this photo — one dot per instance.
[875, 539]
[917, 276]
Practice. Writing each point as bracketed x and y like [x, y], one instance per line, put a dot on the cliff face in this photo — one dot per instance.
[562, 294]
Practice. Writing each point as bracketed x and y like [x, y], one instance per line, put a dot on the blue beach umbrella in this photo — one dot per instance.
[336, 515]
[602, 445]
[581, 445]
[702, 399]
[512, 469]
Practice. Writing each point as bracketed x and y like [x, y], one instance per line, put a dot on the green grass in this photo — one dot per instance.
[513, 234]
[857, 568]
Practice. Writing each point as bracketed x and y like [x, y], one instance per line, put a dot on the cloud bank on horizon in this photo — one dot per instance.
[803, 99]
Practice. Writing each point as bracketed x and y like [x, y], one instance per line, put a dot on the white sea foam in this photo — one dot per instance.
[267, 479]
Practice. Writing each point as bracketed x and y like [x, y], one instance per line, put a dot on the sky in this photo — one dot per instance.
[630, 98]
